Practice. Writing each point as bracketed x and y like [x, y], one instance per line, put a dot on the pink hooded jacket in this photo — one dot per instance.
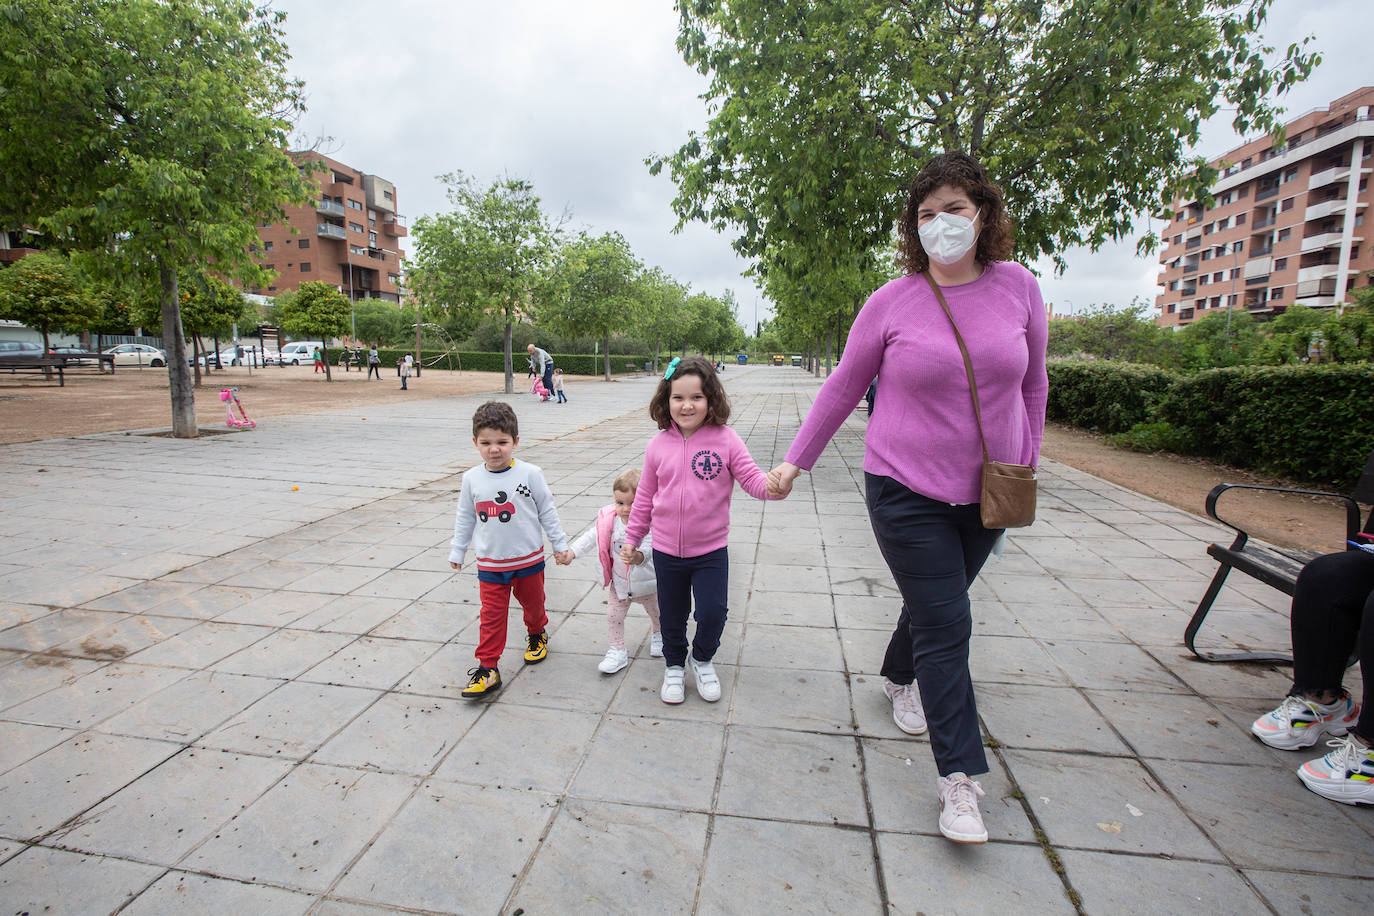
[684, 493]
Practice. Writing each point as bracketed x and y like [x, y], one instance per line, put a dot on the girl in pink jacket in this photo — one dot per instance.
[625, 582]
[690, 469]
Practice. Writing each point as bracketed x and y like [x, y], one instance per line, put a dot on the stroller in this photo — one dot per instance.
[538, 389]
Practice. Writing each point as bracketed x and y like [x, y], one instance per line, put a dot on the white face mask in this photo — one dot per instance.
[947, 238]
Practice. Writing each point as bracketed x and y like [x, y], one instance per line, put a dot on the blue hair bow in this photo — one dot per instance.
[671, 367]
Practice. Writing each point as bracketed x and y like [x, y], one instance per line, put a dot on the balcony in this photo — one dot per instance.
[1326, 208]
[1316, 289]
[1328, 176]
[1188, 291]
[1262, 280]
[1324, 240]
[329, 208]
[1193, 243]
[1262, 223]
[1319, 272]
[1190, 267]
[1258, 267]
[1260, 251]
[396, 226]
[330, 231]
[1267, 193]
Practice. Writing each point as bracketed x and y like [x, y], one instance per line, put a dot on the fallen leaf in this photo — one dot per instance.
[1135, 812]
[1113, 827]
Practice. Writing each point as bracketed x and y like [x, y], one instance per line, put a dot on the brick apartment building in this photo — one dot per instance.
[350, 237]
[1287, 225]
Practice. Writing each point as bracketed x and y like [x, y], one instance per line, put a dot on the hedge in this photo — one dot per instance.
[1104, 396]
[571, 363]
[1314, 424]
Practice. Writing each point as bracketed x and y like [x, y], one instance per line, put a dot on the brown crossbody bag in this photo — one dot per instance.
[1008, 494]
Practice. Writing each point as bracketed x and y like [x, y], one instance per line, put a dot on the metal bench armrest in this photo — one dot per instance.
[1352, 508]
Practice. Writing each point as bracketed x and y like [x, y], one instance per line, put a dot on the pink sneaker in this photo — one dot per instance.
[906, 707]
[960, 819]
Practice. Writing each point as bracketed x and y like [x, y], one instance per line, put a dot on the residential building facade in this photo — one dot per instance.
[1286, 226]
[349, 236]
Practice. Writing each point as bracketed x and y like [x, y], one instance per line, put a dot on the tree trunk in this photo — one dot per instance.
[324, 355]
[417, 342]
[657, 342]
[606, 349]
[178, 373]
[215, 338]
[196, 351]
[47, 351]
[510, 375]
[830, 352]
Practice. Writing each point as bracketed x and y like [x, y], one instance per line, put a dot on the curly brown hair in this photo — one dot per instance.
[962, 171]
[497, 415]
[717, 403]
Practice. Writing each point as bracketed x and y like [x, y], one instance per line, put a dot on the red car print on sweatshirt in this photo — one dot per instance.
[500, 507]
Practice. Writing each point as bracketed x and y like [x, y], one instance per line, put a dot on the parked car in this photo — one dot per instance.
[299, 352]
[138, 355]
[74, 355]
[230, 356]
[19, 351]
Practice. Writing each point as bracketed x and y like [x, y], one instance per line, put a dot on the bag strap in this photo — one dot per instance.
[968, 363]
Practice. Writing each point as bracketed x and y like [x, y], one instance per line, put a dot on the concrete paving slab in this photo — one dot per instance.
[177, 893]
[514, 747]
[50, 880]
[1014, 714]
[652, 762]
[1113, 883]
[190, 707]
[763, 768]
[927, 874]
[1300, 895]
[292, 720]
[20, 742]
[94, 697]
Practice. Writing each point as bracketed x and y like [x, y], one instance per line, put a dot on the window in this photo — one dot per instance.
[354, 205]
[386, 195]
[270, 266]
[266, 246]
[304, 243]
[1171, 308]
[1240, 219]
[1364, 185]
[393, 279]
[1243, 193]
[1178, 240]
[1207, 229]
[1359, 219]
[1219, 276]
[1230, 301]
[1237, 247]
[356, 227]
[1203, 280]
[1284, 234]
[1223, 223]
[1207, 255]
[1235, 273]
[1275, 294]
[372, 239]
[1290, 175]
[1281, 264]
[1173, 285]
[1287, 204]
[372, 219]
[305, 267]
[1216, 302]
[357, 249]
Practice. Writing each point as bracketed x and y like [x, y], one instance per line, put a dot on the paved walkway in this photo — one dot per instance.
[229, 675]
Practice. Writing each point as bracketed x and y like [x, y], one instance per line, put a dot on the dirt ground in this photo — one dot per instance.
[137, 399]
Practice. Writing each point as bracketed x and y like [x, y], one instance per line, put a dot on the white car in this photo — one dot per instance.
[138, 355]
[229, 357]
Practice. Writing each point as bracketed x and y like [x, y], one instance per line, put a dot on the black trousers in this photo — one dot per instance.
[1333, 615]
[680, 579]
[934, 551]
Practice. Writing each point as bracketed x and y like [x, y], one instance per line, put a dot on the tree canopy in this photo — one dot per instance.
[489, 255]
[45, 293]
[315, 309]
[595, 289]
[1083, 111]
[153, 132]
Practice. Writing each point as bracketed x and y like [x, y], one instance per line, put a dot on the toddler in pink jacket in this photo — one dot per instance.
[690, 470]
[625, 581]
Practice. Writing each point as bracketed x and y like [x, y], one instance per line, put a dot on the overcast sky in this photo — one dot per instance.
[574, 96]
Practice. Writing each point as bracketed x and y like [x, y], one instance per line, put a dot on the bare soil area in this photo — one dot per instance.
[134, 398]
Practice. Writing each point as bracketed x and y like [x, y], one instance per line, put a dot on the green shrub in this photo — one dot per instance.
[1108, 397]
[1154, 436]
[572, 364]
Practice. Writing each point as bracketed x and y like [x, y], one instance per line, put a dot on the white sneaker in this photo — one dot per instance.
[672, 692]
[960, 819]
[656, 645]
[906, 707]
[615, 660]
[708, 684]
[1299, 722]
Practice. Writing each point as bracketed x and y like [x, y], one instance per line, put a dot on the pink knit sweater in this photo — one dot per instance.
[922, 432]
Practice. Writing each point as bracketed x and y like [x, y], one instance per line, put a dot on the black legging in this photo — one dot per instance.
[1333, 609]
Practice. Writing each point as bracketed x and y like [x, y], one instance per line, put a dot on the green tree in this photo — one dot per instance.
[380, 322]
[1349, 336]
[661, 314]
[596, 286]
[1082, 110]
[151, 131]
[1288, 337]
[315, 309]
[1207, 344]
[488, 256]
[1126, 333]
[43, 292]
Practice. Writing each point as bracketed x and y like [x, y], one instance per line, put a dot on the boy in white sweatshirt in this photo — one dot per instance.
[504, 510]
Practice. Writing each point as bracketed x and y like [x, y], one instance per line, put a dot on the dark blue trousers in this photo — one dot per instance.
[680, 579]
[934, 551]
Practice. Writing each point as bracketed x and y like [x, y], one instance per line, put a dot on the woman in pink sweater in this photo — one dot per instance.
[923, 459]
[690, 469]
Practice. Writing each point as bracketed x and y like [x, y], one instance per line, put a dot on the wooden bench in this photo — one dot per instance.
[59, 362]
[1275, 567]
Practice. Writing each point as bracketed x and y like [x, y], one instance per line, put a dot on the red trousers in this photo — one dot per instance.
[529, 591]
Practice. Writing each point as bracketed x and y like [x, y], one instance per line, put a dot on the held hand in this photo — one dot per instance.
[563, 557]
[636, 559]
[627, 553]
[780, 479]
[455, 565]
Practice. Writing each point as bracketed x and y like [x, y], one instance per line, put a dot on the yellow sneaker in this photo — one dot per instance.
[482, 681]
[538, 647]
